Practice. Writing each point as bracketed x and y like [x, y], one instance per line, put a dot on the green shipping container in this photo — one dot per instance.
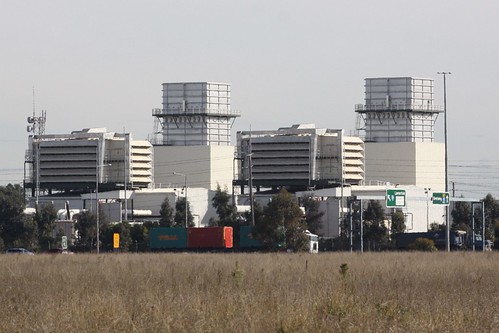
[246, 240]
[167, 238]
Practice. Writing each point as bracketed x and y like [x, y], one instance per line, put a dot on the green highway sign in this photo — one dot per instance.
[440, 198]
[395, 198]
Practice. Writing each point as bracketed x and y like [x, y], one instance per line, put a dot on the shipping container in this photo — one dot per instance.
[247, 241]
[168, 238]
[210, 238]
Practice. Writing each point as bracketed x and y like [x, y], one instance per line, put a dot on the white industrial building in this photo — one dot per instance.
[300, 156]
[196, 114]
[399, 118]
[191, 156]
[399, 109]
[83, 160]
[145, 204]
[194, 142]
[419, 212]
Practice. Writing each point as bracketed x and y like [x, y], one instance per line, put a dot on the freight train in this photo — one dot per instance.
[211, 239]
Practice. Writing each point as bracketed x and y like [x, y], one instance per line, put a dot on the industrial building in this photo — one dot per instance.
[194, 142]
[196, 114]
[192, 153]
[87, 159]
[300, 156]
[399, 109]
[399, 118]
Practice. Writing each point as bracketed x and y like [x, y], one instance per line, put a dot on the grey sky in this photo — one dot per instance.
[101, 63]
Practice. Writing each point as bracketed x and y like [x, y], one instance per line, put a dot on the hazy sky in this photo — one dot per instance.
[97, 63]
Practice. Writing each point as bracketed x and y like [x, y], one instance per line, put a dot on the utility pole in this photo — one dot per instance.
[447, 222]
[185, 186]
[427, 191]
[250, 185]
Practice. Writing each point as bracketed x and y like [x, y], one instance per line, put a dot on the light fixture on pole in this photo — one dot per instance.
[447, 222]
[185, 186]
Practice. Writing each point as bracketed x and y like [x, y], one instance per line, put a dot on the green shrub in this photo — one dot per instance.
[423, 244]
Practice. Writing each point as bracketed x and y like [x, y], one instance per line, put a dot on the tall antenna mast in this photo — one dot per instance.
[36, 126]
[33, 101]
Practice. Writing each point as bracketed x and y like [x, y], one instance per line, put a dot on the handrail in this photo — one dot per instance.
[398, 107]
[194, 111]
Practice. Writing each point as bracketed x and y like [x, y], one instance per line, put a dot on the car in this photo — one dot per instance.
[18, 250]
[59, 250]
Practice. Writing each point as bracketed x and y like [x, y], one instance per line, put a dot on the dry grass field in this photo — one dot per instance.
[334, 292]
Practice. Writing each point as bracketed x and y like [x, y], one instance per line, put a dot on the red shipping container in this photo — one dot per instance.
[209, 238]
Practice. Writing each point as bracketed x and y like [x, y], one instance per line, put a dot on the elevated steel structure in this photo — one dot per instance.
[399, 109]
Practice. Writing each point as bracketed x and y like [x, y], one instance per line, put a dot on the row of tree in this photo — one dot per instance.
[463, 211]
[279, 224]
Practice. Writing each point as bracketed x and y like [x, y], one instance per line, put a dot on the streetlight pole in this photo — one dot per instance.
[447, 223]
[185, 186]
[250, 185]
[427, 191]
[97, 201]
[250, 181]
[99, 166]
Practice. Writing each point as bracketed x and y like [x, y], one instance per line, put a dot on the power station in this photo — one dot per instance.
[192, 153]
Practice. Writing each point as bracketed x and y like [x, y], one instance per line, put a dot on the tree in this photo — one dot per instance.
[282, 223]
[227, 212]
[16, 228]
[398, 222]
[139, 234]
[45, 219]
[496, 234]
[257, 211]
[375, 230]
[463, 210]
[180, 213]
[491, 215]
[313, 216]
[86, 227]
[107, 238]
[461, 216]
[437, 227]
[166, 213]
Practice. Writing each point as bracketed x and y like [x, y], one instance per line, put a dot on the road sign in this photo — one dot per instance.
[395, 198]
[64, 242]
[116, 240]
[440, 198]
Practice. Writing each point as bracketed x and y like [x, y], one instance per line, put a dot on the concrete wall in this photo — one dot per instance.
[406, 163]
[199, 200]
[204, 166]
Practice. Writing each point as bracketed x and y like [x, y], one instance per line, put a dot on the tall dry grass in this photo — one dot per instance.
[373, 292]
